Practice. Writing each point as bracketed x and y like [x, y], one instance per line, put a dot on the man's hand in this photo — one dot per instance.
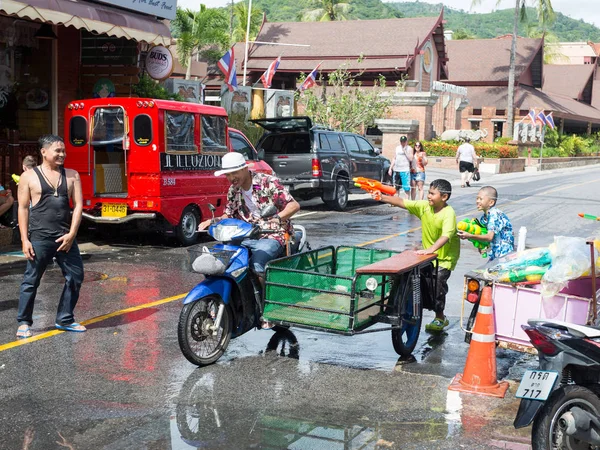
[204, 225]
[390, 171]
[66, 241]
[28, 250]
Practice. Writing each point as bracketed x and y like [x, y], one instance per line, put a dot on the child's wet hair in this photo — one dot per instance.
[443, 186]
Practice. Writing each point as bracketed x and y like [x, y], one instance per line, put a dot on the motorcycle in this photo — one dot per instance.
[229, 301]
[562, 396]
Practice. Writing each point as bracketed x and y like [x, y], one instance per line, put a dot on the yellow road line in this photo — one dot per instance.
[180, 296]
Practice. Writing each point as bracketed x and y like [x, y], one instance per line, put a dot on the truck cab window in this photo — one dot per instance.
[240, 145]
[142, 130]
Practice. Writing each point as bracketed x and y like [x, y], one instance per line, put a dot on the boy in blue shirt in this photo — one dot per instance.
[500, 230]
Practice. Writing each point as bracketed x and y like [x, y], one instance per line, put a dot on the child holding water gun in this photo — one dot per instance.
[438, 235]
[499, 229]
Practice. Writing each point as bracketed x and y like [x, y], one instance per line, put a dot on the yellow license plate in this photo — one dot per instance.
[114, 209]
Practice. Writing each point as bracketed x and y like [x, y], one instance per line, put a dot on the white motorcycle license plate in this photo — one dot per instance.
[536, 384]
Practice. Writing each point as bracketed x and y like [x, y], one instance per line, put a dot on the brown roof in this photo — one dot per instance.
[487, 60]
[527, 98]
[385, 44]
[568, 80]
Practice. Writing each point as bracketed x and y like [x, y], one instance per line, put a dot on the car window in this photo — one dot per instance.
[334, 142]
[364, 145]
[350, 143]
[240, 145]
[298, 144]
[323, 142]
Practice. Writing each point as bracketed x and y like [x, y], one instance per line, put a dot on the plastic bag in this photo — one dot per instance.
[538, 257]
[570, 260]
[476, 175]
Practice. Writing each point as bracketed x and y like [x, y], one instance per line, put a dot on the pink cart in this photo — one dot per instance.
[514, 304]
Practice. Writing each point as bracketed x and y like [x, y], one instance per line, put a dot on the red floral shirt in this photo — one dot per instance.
[266, 190]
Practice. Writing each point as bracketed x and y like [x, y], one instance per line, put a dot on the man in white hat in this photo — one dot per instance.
[249, 194]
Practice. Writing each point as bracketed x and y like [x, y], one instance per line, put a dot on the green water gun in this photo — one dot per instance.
[473, 226]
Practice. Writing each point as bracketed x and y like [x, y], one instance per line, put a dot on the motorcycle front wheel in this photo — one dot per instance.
[198, 342]
[548, 432]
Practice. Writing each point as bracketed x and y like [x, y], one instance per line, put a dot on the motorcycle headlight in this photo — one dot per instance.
[224, 233]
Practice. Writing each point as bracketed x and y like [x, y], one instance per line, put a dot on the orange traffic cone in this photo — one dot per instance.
[479, 376]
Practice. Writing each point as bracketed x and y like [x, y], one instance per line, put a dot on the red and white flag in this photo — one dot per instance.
[267, 77]
[227, 66]
[311, 79]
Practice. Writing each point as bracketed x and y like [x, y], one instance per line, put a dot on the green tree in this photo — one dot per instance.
[345, 104]
[552, 53]
[462, 34]
[240, 12]
[326, 11]
[545, 15]
[200, 31]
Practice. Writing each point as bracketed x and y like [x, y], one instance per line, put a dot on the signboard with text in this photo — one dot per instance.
[170, 161]
[159, 63]
[164, 9]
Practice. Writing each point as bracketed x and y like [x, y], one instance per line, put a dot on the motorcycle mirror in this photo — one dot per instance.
[268, 211]
[212, 207]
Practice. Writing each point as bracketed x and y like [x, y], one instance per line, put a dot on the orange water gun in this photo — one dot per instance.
[371, 186]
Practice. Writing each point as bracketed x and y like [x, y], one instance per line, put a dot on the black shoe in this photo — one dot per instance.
[468, 185]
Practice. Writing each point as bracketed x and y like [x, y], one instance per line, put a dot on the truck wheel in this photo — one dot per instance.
[340, 200]
[187, 226]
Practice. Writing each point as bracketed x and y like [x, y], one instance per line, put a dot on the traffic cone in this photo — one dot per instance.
[479, 376]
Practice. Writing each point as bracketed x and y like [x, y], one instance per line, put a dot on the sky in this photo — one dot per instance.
[587, 10]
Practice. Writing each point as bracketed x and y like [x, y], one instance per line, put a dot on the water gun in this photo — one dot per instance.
[472, 226]
[371, 186]
[588, 216]
[16, 178]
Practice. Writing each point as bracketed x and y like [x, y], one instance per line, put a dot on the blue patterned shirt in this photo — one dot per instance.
[504, 240]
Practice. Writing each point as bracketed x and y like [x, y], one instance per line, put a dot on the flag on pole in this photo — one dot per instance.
[227, 66]
[311, 79]
[550, 121]
[532, 115]
[542, 118]
[267, 77]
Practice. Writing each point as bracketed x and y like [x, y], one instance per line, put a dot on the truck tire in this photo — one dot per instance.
[187, 226]
[340, 198]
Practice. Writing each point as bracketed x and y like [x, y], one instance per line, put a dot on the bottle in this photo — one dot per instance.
[522, 237]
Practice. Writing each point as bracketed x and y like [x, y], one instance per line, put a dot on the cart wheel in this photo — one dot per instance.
[405, 338]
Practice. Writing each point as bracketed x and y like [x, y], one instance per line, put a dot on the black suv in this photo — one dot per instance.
[315, 161]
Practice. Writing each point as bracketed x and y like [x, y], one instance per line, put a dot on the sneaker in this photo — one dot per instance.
[437, 325]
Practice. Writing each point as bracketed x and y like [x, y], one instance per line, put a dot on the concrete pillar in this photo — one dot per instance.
[392, 129]
[561, 128]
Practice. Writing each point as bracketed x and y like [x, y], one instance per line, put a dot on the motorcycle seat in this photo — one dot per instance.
[589, 332]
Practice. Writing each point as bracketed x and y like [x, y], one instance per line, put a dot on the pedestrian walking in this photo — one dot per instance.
[467, 160]
[401, 167]
[417, 172]
[48, 230]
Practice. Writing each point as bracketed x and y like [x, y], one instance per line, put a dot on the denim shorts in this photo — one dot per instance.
[418, 176]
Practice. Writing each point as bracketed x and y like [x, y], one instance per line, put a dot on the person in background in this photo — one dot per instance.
[29, 162]
[6, 203]
[500, 231]
[417, 172]
[49, 230]
[467, 161]
[400, 166]
[438, 236]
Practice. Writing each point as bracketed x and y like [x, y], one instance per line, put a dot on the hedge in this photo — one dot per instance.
[441, 148]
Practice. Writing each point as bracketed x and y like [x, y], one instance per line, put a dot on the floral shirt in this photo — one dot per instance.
[504, 240]
[266, 190]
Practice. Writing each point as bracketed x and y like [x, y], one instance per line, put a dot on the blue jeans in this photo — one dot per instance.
[71, 265]
[261, 252]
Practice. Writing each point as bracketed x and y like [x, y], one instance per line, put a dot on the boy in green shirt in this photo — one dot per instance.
[438, 221]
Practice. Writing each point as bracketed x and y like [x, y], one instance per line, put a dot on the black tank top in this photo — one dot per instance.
[50, 218]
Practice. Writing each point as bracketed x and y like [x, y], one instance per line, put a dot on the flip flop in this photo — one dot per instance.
[71, 327]
[23, 333]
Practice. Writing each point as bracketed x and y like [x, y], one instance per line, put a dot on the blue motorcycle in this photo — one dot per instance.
[229, 301]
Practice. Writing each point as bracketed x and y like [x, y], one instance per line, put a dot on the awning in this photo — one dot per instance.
[91, 17]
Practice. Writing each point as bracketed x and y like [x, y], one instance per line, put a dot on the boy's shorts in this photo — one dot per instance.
[418, 176]
[441, 289]
[402, 179]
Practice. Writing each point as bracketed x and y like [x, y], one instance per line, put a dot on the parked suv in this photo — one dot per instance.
[315, 161]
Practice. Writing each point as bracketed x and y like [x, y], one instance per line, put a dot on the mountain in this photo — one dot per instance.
[481, 26]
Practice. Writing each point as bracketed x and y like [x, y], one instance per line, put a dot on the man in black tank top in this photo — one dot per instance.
[48, 230]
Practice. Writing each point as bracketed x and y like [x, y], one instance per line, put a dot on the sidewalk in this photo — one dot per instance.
[11, 256]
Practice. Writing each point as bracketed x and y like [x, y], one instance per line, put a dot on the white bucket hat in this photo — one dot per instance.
[230, 163]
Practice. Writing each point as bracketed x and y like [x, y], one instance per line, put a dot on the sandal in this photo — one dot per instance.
[76, 327]
[437, 325]
[24, 332]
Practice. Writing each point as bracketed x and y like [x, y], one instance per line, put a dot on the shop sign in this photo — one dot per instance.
[169, 161]
[159, 62]
[164, 9]
[449, 88]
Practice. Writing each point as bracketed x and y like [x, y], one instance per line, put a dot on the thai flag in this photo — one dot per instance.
[550, 121]
[532, 116]
[311, 80]
[267, 77]
[542, 118]
[227, 66]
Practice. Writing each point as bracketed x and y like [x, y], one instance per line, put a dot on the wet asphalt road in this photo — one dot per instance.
[124, 383]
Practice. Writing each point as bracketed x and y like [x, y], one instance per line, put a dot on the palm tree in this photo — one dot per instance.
[200, 31]
[326, 10]
[240, 12]
[552, 53]
[545, 16]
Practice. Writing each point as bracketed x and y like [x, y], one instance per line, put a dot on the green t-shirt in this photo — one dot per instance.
[435, 225]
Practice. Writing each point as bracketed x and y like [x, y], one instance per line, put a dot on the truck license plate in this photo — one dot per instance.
[114, 209]
[536, 384]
